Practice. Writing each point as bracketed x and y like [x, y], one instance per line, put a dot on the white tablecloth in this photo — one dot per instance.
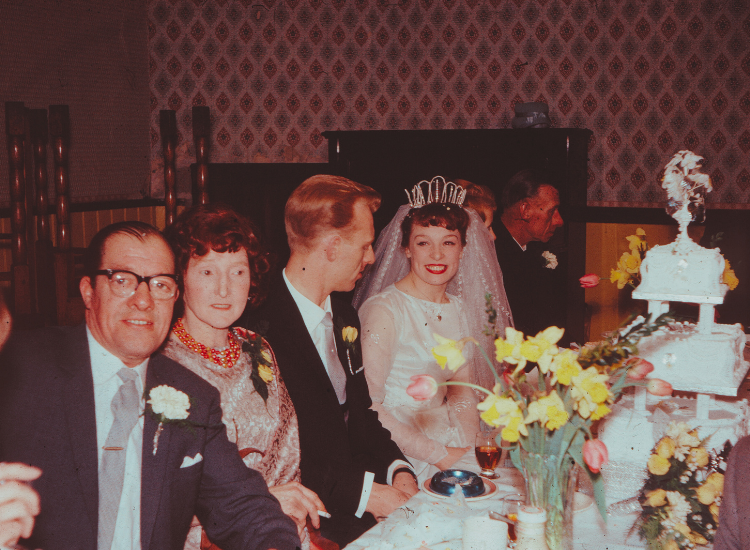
[431, 521]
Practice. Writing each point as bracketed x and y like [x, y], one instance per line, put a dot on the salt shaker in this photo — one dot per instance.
[530, 531]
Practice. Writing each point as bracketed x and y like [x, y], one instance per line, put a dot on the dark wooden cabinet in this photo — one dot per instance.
[391, 161]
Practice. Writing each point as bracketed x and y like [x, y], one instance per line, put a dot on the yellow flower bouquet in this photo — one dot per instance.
[628, 269]
[546, 422]
[682, 494]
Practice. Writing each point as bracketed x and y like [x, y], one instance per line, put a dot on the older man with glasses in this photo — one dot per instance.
[131, 446]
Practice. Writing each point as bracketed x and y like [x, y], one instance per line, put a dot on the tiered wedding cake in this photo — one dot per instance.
[706, 358]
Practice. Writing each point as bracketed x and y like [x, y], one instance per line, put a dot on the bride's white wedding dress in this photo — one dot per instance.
[397, 336]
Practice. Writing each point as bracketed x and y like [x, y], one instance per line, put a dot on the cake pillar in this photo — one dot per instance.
[657, 307]
[639, 404]
[706, 319]
[703, 405]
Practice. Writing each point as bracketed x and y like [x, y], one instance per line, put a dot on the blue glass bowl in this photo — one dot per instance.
[448, 482]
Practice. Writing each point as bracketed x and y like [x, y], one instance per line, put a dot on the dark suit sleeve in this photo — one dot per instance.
[234, 505]
[734, 514]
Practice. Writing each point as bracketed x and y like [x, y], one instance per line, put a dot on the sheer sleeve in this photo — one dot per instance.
[378, 350]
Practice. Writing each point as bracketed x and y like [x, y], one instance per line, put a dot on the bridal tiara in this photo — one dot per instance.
[438, 191]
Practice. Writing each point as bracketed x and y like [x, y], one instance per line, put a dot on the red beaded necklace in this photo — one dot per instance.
[226, 357]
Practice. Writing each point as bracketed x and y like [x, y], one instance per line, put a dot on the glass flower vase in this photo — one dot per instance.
[551, 484]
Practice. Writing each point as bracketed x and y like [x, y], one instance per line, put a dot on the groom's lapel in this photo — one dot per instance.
[307, 362]
[153, 466]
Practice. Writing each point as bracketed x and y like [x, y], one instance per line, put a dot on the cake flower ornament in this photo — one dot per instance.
[546, 424]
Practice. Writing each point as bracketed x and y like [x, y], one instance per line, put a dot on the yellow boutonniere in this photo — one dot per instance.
[349, 335]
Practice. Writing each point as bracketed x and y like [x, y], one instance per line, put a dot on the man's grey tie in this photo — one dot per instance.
[125, 409]
[335, 369]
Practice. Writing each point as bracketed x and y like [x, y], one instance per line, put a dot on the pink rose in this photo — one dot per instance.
[638, 368]
[595, 454]
[659, 387]
[422, 388]
[589, 281]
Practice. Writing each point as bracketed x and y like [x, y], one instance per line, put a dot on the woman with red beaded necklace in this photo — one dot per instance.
[221, 265]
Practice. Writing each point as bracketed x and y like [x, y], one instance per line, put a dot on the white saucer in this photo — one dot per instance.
[490, 489]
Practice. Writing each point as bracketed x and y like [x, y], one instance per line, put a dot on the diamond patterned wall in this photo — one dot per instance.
[648, 77]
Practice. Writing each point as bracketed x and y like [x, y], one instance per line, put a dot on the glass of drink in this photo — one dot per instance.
[488, 454]
[511, 504]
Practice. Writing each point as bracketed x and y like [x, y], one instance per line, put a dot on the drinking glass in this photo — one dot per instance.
[510, 505]
[488, 454]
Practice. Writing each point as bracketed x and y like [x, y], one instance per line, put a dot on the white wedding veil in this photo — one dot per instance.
[478, 274]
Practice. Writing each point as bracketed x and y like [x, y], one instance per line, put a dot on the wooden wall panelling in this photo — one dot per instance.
[44, 277]
[19, 276]
[201, 137]
[168, 129]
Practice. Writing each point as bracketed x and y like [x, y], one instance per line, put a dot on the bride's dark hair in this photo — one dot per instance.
[438, 214]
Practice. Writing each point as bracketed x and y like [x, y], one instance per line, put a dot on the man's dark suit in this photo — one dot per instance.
[534, 291]
[47, 418]
[335, 454]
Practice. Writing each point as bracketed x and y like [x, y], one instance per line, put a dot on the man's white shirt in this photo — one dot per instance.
[104, 367]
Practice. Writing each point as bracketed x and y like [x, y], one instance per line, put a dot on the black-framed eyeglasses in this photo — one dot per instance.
[125, 283]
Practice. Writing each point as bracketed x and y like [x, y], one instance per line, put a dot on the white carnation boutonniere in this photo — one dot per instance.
[550, 260]
[167, 405]
[349, 336]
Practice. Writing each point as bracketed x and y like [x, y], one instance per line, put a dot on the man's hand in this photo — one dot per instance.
[406, 483]
[454, 454]
[298, 502]
[384, 499]
[19, 503]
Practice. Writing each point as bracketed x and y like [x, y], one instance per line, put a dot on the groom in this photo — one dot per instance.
[113, 477]
[348, 458]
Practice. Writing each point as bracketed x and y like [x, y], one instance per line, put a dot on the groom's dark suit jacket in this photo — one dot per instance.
[47, 418]
[335, 454]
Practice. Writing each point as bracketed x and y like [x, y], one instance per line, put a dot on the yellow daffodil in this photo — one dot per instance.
[682, 528]
[637, 241]
[448, 352]
[658, 465]
[541, 348]
[707, 493]
[671, 545]
[564, 367]
[589, 390]
[665, 448]
[349, 334]
[266, 373]
[620, 277]
[549, 411]
[266, 355]
[728, 277]
[601, 411]
[512, 431]
[509, 349]
[657, 497]
[697, 538]
[503, 411]
[684, 439]
[630, 262]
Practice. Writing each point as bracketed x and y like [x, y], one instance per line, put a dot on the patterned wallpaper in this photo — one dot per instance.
[649, 77]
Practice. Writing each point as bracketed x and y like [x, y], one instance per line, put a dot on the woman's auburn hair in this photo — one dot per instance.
[217, 227]
[449, 216]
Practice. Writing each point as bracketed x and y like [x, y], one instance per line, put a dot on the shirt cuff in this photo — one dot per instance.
[366, 489]
[397, 465]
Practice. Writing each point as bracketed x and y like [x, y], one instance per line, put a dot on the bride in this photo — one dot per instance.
[434, 264]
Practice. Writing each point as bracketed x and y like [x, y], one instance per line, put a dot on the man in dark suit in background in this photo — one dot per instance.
[72, 404]
[348, 458]
[529, 219]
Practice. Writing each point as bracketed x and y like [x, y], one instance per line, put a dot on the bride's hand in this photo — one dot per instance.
[454, 454]
[298, 502]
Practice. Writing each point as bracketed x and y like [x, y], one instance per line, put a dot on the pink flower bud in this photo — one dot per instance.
[638, 368]
[659, 387]
[589, 281]
[422, 388]
[595, 454]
